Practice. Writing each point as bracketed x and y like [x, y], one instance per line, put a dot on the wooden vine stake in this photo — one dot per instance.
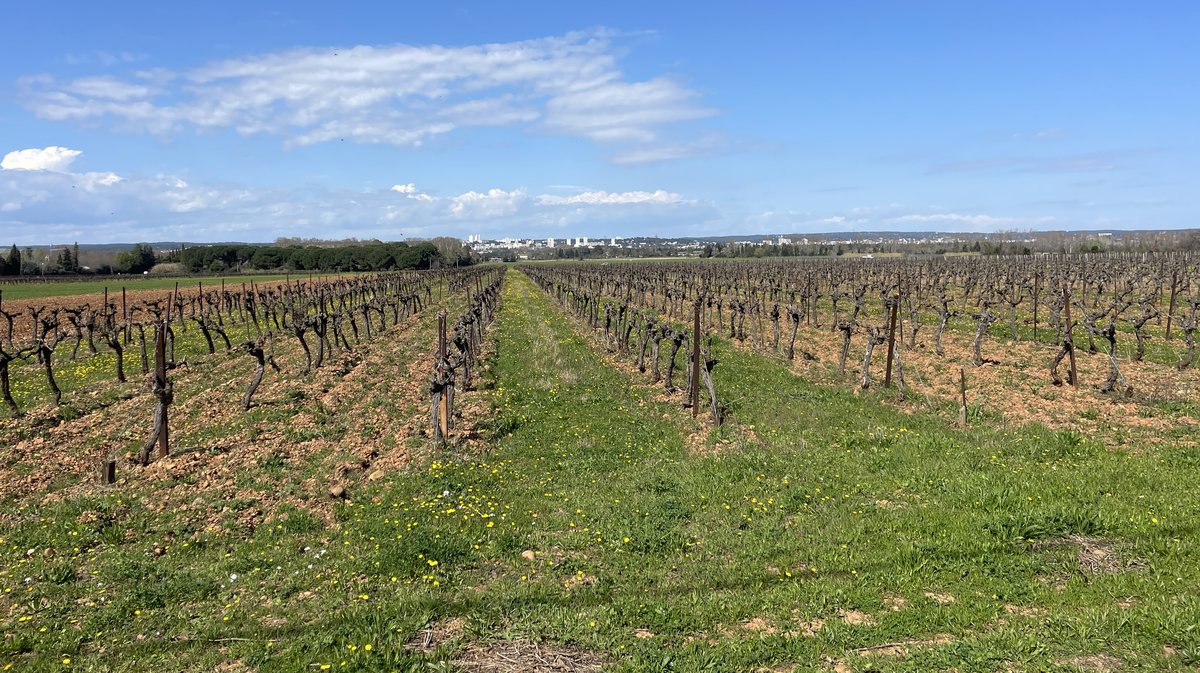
[1069, 341]
[1036, 278]
[887, 377]
[1171, 304]
[125, 318]
[441, 383]
[163, 390]
[695, 382]
[962, 391]
[444, 403]
[108, 471]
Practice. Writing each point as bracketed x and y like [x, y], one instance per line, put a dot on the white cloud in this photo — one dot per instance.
[622, 111]
[103, 57]
[611, 198]
[650, 153]
[94, 181]
[52, 158]
[42, 206]
[404, 95]
[410, 190]
[494, 203]
[109, 88]
[39, 206]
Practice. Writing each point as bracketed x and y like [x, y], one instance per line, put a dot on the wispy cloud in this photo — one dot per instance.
[967, 221]
[893, 217]
[668, 150]
[404, 95]
[1046, 134]
[601, 197]
[1050, 134]
[1087, 162]
[105, 58]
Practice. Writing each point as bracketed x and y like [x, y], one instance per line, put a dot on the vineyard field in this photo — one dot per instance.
[94, 289]
[965, 464]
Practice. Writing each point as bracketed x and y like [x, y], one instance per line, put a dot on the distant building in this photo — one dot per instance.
[549, 242]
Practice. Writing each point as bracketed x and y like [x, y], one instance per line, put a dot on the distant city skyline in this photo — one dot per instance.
[223, 121]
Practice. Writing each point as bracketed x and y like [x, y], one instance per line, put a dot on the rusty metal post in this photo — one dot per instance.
[1070, 336]
[695, 382]
[887, 377]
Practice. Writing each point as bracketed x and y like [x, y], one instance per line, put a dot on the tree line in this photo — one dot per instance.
[219, 258]
[69, 260]
[369, 257]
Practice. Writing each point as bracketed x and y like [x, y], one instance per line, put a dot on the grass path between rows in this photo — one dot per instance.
[816, 530]
[821, 524]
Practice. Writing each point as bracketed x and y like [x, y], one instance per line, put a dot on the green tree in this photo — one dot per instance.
[139, 258]
[12, 265]
[268, 258]
[65, 262]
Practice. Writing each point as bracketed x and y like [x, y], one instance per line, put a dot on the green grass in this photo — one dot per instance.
[658, 548]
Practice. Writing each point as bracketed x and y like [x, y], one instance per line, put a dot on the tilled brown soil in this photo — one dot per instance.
[1015, 382]
[336, 423]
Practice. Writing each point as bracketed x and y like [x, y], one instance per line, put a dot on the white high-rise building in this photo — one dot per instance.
[549, 242]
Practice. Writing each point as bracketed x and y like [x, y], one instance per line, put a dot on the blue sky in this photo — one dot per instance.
[248, 121]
